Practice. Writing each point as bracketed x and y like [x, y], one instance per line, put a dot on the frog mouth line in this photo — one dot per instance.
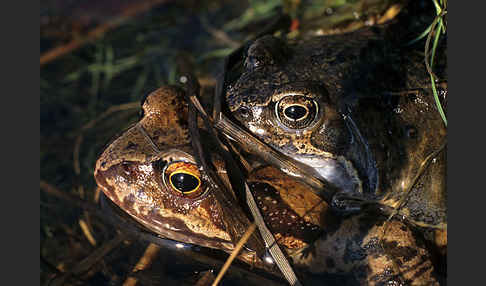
[354, 173]
[172, 228]
[290, 166]
[338, 171]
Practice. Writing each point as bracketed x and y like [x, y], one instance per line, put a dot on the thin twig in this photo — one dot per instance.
[219, 34]
[145, 261]
[90, 124]
[205, 279]
[97, 193]
[77, 147]
[87, 233]
[121, 107]
[50, 189]
[235, 252]
[98, 31]
[90, 260]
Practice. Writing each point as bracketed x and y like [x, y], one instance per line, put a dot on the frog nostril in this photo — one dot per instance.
[126, 168]
[244, 112]
[411, 132]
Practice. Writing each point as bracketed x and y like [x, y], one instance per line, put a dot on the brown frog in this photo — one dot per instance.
[358, 111]
[150, 172]
[289, 100]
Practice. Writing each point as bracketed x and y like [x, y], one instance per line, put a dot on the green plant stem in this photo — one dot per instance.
[429, 65]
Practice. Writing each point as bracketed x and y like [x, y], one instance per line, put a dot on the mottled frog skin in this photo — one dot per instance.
[363, 249]
[357, 110]
[139, 171]
[150, 172]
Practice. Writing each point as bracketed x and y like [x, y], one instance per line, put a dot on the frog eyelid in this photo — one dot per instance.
[174, 155]
[185, 172]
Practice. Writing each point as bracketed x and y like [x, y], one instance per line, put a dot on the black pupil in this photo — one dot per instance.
[295, 112]
[184, 182]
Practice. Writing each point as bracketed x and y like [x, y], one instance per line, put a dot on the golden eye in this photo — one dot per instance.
[296, 111]
[184, 179]
[184, 182]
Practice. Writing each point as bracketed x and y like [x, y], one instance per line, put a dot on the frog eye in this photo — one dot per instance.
[296, 111]
[184, 182]
[184, 179]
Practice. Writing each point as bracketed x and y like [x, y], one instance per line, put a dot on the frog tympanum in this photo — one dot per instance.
[150, 172]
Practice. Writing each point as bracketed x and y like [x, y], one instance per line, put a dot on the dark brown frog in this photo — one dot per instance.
[356, 109]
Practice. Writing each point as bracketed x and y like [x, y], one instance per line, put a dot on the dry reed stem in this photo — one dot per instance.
[145, 261]
[87, 233]
[99, 31]
[235, 252]
[90, 124]
[205, 279]
[90, 260]
[88, 206]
